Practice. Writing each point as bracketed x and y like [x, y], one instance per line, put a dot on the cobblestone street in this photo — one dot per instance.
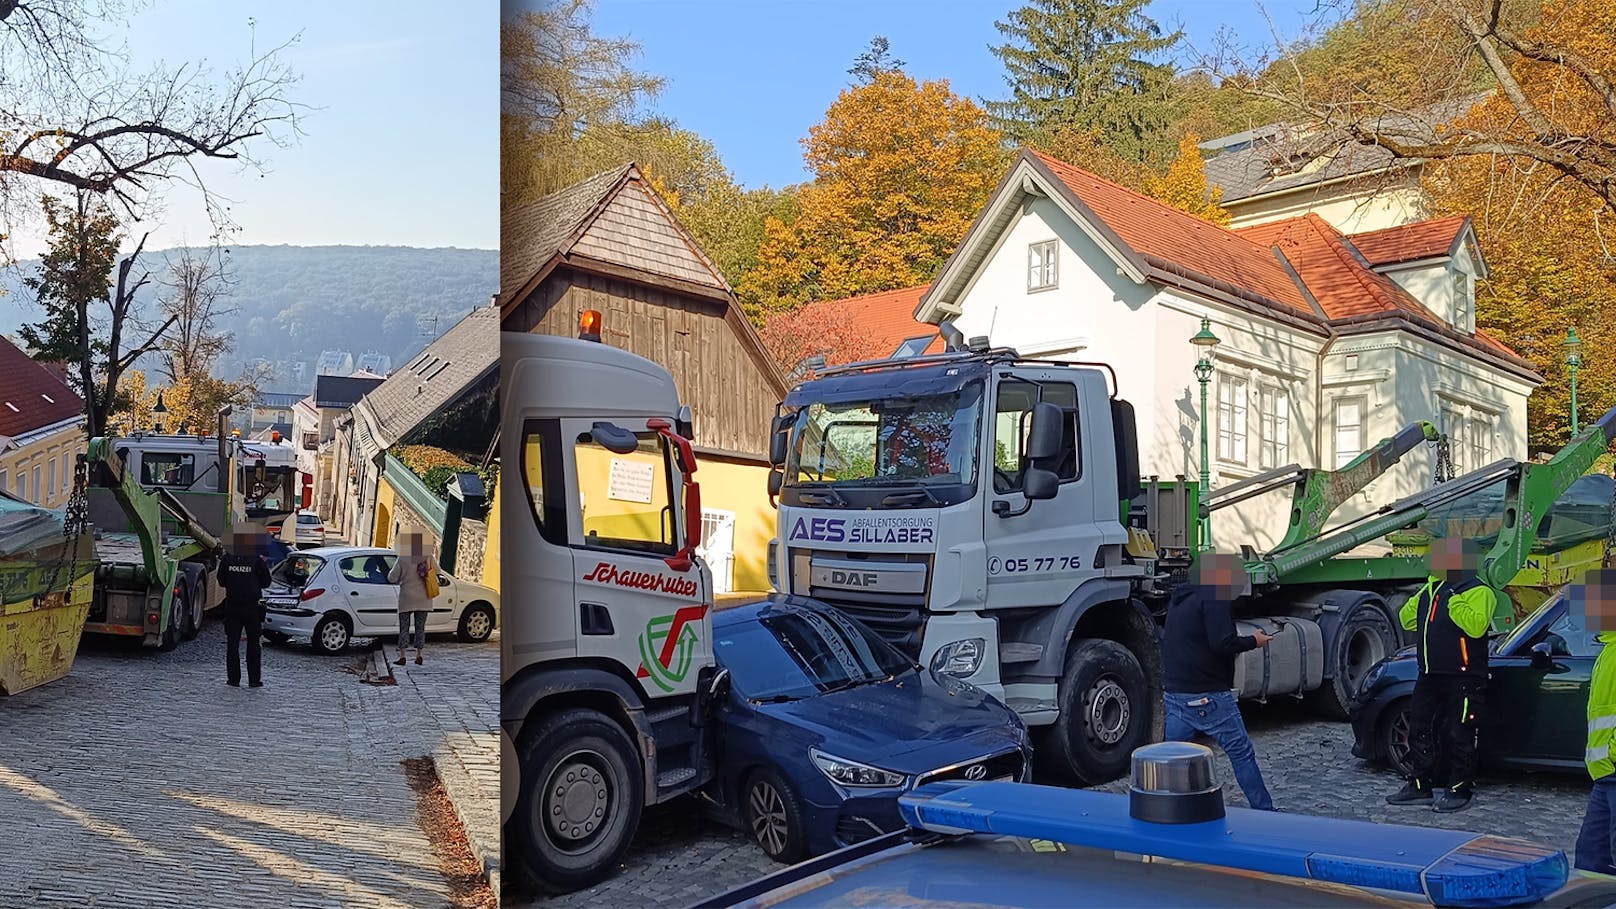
[142, 780]
[680, 856]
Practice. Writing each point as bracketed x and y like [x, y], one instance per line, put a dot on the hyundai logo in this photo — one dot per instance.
[976, 772]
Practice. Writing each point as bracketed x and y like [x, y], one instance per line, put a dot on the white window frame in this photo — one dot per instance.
[50, 473]
[1453, 426]
[1480, 436]
[67, 472]
[1337, 427]
[1233, 419]
[717, 524]
[1043, 265]
[1274, 426]
[39, 493]
[1464, 301]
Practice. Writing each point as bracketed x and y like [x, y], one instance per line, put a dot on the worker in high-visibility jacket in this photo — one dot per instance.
[1450, 617]
[1595, 602]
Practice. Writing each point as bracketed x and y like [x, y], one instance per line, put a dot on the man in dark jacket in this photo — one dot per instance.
[243, 575]
[1450, 617]
[1199, 648]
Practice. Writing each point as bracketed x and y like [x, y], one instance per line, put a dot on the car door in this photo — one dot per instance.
[371, 599]
[1537, 703]
[446, 607]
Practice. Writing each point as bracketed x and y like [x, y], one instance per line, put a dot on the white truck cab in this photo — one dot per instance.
[607, 642]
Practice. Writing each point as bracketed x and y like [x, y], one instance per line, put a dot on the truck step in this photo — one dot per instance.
[666, 714]
[1019, 652]
[678, 776]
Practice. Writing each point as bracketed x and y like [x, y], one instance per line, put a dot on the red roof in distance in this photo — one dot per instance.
[31, 395]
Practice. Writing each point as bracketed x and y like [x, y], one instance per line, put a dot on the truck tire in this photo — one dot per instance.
[170, 636]
[580, 801]
[1105, 712]
[1364, 638]
[194, 604]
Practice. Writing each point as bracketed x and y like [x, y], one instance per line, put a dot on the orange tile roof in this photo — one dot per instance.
[1168, 237]
[1410, 242]
[886, 319]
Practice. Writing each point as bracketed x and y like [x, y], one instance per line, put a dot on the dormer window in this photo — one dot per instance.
[1042, 271]
[1464, 309]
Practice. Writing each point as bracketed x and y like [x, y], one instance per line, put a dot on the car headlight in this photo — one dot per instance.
[1371, 678]
[960, 659]
[844, 772]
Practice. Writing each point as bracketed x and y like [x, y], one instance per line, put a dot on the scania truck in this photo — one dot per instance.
[985, 513]
[607, 662]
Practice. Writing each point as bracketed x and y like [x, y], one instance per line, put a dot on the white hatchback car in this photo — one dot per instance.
[309, 530]
[333, 594]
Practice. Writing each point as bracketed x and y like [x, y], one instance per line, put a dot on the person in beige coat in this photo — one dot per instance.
[410, 572]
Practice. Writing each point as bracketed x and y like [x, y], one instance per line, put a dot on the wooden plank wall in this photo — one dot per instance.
[716, 376]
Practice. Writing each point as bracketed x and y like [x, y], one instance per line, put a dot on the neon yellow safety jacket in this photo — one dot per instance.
[1602, 709]
[1452, 617]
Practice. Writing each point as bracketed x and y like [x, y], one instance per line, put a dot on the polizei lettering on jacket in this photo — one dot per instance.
[656, 582]
[889, 529]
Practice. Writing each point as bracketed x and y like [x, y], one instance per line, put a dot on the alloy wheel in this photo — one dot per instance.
[768, 817]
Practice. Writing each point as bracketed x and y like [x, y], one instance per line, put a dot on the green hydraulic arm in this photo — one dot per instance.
[1530, 491]
[145, 508]
[1316, 493]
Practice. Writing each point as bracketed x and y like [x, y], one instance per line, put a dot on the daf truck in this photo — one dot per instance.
[985, 513]
[606, 654]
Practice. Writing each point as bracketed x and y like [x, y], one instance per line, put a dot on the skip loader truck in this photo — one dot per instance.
[984, 512]
[606, 654]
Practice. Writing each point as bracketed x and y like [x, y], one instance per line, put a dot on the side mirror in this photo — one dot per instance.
[614, 438]
[1038, 483]
[1044, 435]
[777, 481]
[1543, 654]
[779, 438]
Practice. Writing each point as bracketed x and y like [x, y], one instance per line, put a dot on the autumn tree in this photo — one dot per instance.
[79, 115]
[91, 321]
[1090, 66]
[194, 295]
[831, 330]
[900, 170]
[569, 100]
[875, 60]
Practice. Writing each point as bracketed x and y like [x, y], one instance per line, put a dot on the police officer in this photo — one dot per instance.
[243, 574]
[1450, 616]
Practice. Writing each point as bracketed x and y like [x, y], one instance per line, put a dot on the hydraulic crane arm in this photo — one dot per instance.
[1317, 493]
[1530, 491]
[143, 507]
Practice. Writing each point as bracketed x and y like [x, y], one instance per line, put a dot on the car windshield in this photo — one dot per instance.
[793, 653]
[295, 570]
[1533, 625]
[927, 440]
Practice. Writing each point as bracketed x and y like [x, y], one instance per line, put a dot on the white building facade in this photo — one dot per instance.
[1322, 354]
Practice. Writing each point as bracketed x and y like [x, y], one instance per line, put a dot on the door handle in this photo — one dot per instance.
[353, 593]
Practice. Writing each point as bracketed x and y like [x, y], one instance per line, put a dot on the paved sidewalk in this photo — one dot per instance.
[142, 781]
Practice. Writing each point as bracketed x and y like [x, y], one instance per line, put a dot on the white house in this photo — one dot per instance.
[1327, 346]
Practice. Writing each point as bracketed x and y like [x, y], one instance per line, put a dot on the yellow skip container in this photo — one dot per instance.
[47, 579]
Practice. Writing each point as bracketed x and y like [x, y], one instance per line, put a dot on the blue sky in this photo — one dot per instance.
[401, 146]
[753, 76]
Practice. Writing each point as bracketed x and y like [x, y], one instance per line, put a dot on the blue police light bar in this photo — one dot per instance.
[1445, 867]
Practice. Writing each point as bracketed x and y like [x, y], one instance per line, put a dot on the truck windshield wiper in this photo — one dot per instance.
[825, 493]
[901, 498]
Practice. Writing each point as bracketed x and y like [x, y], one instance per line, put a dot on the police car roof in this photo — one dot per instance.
[1008, 856]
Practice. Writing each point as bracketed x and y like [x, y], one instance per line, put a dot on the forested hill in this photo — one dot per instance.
[293, 302]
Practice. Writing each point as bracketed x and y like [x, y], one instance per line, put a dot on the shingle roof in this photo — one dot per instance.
[31, 395]
[885, 319]
[1285, 156]
[277, 399]
[433, 378]
[1411, 242]
[1179, 244]
[342, 391]
[529, 235]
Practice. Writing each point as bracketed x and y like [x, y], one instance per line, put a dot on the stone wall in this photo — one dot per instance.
[469, 558]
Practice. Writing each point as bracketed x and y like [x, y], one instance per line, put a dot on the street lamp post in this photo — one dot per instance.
[159, 412]
[1205, 342]
[1573, 359]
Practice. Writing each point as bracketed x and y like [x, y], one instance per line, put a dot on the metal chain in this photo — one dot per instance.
[1610, 530]
[75, 520]
[1444, 460]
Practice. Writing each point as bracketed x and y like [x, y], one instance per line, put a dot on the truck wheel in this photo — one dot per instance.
[580, 801]
[476, 623]
[194, 603]
[1363, 639]
[332, 634]
[170, 637]
[1394, 735]
[1105, 712]
[774, 816]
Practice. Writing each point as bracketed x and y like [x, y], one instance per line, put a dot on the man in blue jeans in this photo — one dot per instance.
[1199, 647]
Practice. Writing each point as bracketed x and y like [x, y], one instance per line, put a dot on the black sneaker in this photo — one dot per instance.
[1450, 800]
[255, 684]
[233, 684]
[1410, 794]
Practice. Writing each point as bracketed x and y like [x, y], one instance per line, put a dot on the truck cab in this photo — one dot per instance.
[970, 506]
[607, 641]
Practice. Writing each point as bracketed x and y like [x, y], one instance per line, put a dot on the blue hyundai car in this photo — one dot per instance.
[825, 725]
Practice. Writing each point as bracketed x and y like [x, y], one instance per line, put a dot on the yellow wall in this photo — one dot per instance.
[491, 546]
[742, 488]
[382, 534]
[59, 448]
[610, 517]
